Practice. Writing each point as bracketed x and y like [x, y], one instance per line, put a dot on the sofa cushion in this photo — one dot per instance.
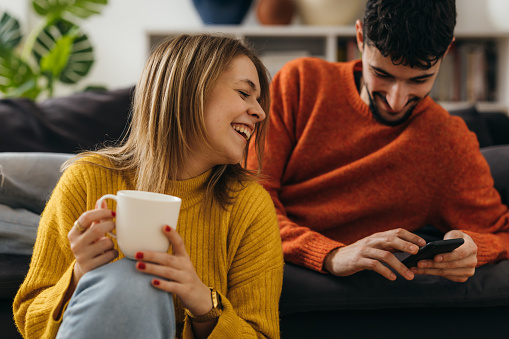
[63, 124]
[498, 124]
[18, 230]
[27, 179]
[307, 291]
[475, 123]
[13, 269]
[498, 160]
[26, 182]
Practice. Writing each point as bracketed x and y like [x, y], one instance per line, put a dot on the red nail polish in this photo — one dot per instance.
[113, 214]
[141, 265]
[138, 255]
[167, 228]
[156, 282]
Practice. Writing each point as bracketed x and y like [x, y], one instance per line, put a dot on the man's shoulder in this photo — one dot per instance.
[436, 121]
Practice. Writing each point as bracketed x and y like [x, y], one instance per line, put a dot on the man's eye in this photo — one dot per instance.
[380, 75]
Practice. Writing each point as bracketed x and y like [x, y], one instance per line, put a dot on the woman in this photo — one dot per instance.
[196, 106]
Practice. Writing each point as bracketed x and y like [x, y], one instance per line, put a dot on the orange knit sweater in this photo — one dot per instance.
[336, 175]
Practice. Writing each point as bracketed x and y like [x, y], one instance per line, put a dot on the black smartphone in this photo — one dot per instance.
[431, 249]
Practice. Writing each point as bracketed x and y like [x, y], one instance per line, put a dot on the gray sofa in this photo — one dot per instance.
[36, 138]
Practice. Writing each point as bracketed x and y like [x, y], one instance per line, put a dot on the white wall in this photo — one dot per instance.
[121, 45]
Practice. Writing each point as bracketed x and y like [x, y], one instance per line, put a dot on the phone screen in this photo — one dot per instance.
[431, 249]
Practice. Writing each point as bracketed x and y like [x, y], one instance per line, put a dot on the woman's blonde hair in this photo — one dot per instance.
[167, 114]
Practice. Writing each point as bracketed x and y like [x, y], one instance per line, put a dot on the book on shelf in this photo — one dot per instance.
[468, 73]
[347, 50]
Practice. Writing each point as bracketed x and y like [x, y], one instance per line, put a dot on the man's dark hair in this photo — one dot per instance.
[413, 33]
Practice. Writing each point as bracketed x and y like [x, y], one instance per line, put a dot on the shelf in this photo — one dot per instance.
[277, 45]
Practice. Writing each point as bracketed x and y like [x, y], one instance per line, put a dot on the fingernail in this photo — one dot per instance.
[439, 258]
[141, 265]
[409, 275]
[138, 255]
[113, 214]
[167, 228]
[156, 282]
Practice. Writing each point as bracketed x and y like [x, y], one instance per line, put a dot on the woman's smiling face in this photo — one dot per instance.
[230, 113]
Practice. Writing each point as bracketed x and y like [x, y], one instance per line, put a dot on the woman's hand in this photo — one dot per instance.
[177, 274]
[89, 244]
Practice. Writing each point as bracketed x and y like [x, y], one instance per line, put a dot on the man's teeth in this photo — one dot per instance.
[242, 129]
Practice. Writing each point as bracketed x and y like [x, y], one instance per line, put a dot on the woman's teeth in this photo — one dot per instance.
[246, 133]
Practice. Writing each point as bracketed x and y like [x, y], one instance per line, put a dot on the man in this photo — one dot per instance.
[359, 157]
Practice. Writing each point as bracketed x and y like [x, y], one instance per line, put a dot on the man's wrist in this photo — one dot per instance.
[328, 261]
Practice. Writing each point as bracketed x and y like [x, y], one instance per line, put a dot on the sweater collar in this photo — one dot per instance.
[191, 191]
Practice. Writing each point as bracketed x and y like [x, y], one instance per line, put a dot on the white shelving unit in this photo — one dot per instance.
[323, 41]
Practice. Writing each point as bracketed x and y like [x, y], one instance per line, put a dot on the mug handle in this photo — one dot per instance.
[100, 202]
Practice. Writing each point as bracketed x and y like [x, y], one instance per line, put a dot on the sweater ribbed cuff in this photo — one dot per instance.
[312, 253]
[488, 247]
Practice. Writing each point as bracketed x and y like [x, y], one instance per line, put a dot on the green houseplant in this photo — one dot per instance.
[56, 50]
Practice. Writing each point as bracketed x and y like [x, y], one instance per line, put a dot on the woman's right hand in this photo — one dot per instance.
[90, 246]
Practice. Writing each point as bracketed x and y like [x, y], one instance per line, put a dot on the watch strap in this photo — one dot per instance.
[214, 313]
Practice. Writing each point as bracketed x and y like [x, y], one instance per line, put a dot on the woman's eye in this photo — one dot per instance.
[244, 94]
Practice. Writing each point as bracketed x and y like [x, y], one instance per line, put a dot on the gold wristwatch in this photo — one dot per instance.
[214, 313]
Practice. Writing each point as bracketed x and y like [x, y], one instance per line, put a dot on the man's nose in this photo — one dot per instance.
[397, 97]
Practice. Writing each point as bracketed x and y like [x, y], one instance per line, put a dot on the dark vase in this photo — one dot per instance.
[222, 12]
[275, 12]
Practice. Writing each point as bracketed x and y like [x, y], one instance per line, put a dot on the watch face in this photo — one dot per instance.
[216, 300]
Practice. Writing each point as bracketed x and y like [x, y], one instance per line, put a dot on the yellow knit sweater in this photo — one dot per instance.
[237, 251]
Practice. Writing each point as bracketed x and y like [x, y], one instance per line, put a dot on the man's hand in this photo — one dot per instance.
[371, 252]
[458, 265]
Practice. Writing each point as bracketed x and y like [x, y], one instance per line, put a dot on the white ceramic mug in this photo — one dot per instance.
[140, 218]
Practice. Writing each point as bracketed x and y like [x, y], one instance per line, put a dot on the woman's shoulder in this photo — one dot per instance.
[87, 161]
[251, 196]
[251, 189]
[86, 166]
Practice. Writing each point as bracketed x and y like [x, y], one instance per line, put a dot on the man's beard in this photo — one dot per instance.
[378, 117]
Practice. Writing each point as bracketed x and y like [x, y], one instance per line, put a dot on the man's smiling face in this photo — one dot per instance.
[393, 91]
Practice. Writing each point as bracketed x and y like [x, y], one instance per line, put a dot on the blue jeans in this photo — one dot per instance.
[117, 301]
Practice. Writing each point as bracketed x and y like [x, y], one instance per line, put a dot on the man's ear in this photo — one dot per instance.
[448, 48]
[359, 35]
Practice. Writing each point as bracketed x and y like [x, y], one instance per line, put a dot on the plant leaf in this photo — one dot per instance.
[65, 8]
[57, 57]
[64, 52]
[17, 79]
[10, 32]
[80, 61]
